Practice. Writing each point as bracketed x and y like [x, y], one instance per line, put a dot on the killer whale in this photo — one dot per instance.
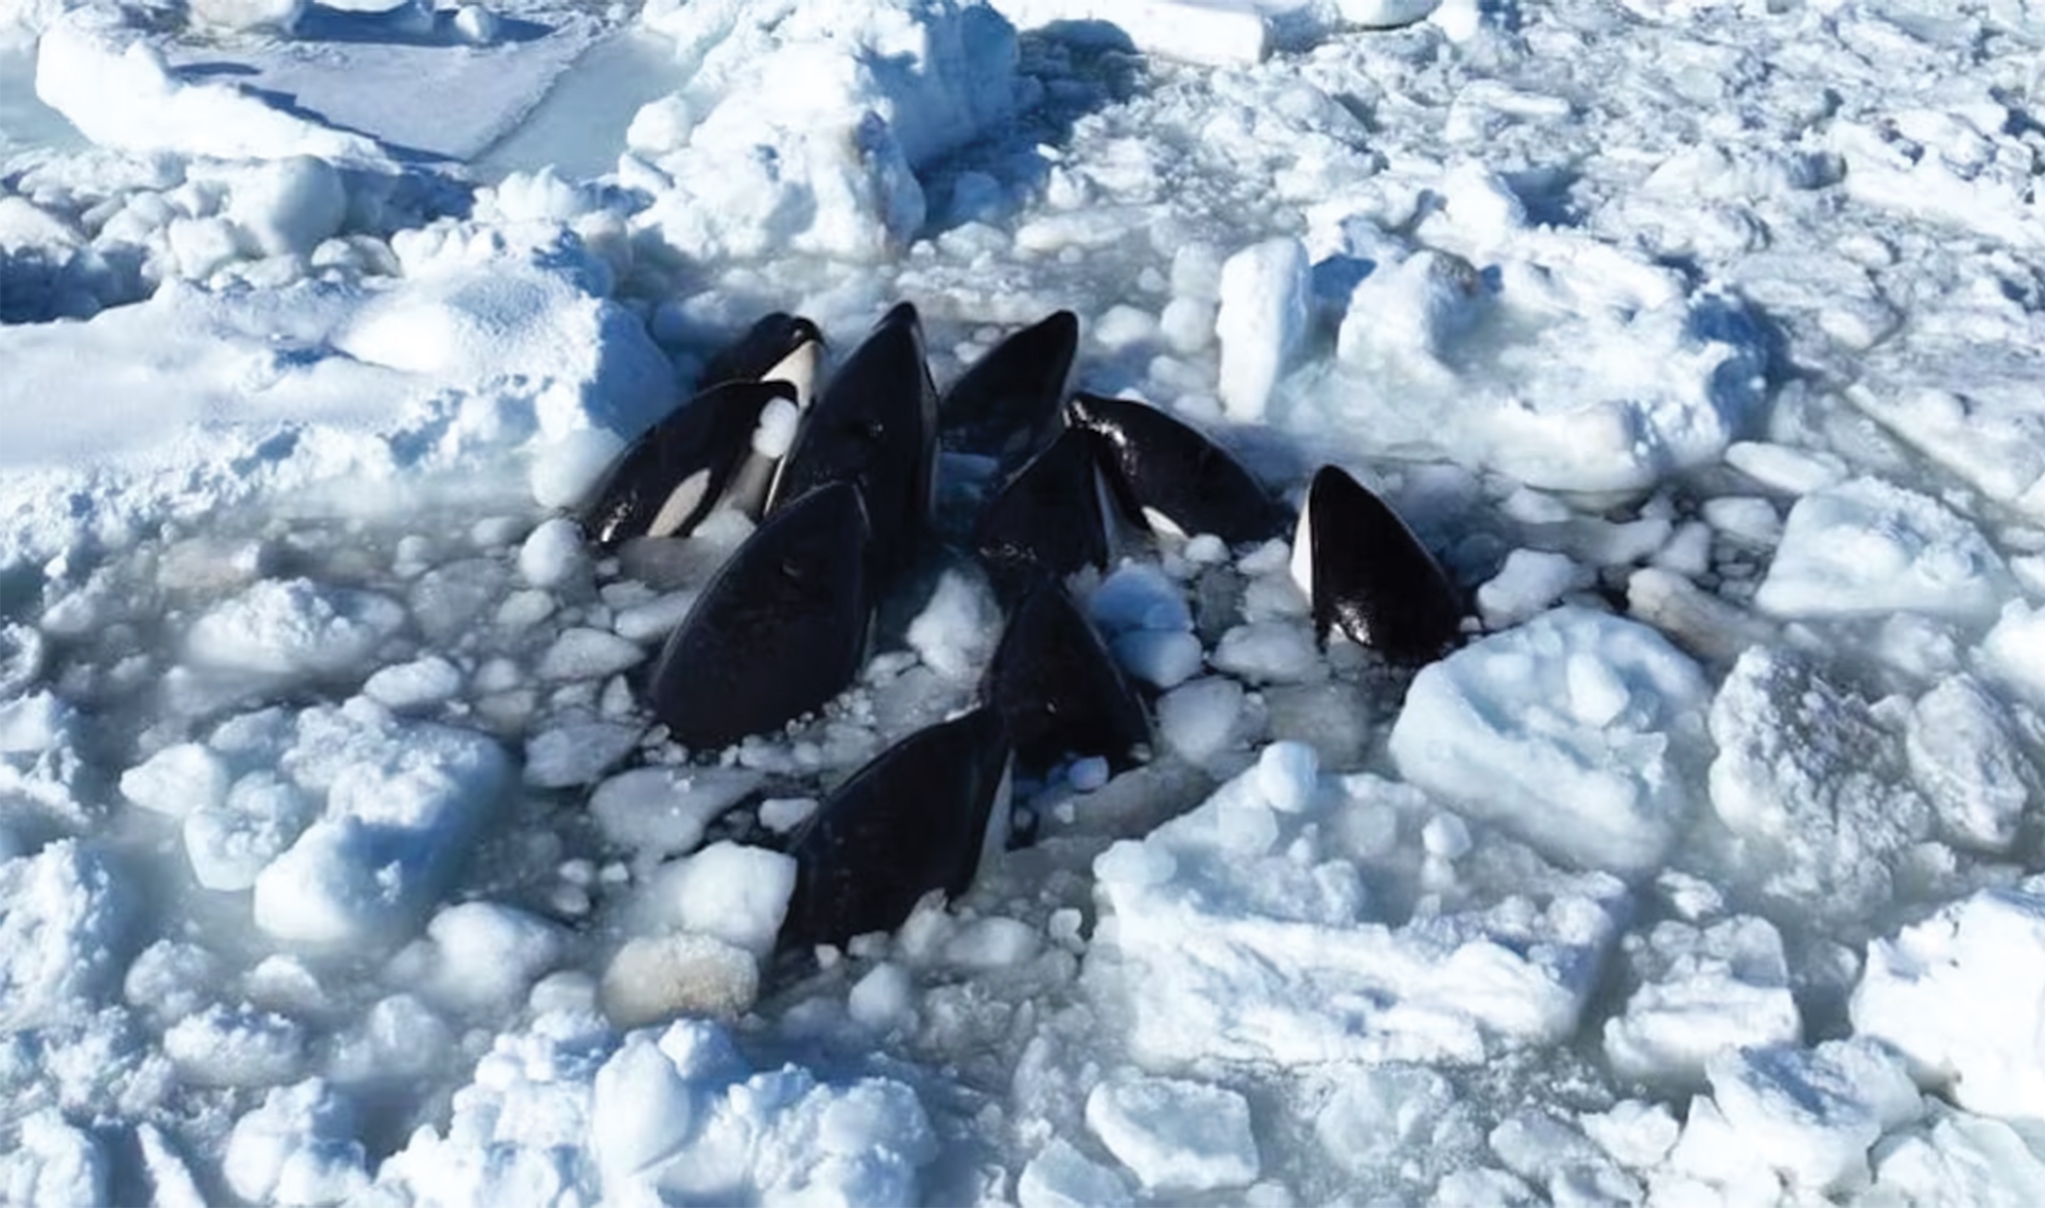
[1046, 519]
[779, 348]
[763, 351]
[780, 629]
[874, 425]
[1368, 575]
[1171, 477]
[668, 480]
[919, 816]
[1058, 689]
[1005, 406]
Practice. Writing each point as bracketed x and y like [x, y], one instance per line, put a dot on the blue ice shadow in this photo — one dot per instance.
[323, 24]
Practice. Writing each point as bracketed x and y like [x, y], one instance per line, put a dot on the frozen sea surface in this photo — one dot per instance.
[339, 861]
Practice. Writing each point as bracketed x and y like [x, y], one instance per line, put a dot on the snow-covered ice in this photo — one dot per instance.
[1698, 341]
[1578, 731]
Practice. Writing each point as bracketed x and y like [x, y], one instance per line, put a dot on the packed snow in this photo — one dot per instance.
[341, 861]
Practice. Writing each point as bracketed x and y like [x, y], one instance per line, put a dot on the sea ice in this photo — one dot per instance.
[729, 891]
[1958, 996]
[111, 82]
[1813, 779]
[1971, 764]
[53, 1163]
[401, 802]
[480, 957]
[295, 627]
[1238, 932]
[1809, 1116]
[737, 1136]
[853, 101]
[1578, 731]
[236, 1046]
[1177, 1136]
[1868, 547]
[1958, 1159]
[553, 554]
[1219, 34]
[63, 914]
[414, 687]
[1703, 990]
[1262, 321]
[1528, 583]
[1060, 1176]
[661, 811]
[587, 654]
[180, 778]
[297, 1147]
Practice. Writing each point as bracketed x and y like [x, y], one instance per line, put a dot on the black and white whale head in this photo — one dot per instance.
[1006, 405]
[1369, 576]
[670, 478]
[1058, 689]
[779, 346]
[779, 630]
[1174, 479]
[921, 816]
[1046, 519]
[874, 425]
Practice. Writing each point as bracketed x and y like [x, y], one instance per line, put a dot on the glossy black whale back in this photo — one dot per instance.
[1058, 689]
[1006, 405]
[874, 426]
[1371, 577]
[915, 818]
[779, 630]
[1158, 464]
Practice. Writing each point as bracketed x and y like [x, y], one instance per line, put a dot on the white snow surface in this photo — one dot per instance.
[1697, 339]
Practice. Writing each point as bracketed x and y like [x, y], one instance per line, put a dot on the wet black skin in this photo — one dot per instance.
[1373, 578]
[1155, 461]
[874, 425]
[1046, 519]
[1058, 689]
[779, 630]
[912, 820]
[711, 433]
[760, 349]
[1006, 406]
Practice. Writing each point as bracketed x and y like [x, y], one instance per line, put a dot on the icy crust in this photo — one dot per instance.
[1703, 991]
[62, 920]
[566, 1111]
[486, 364]
[804, 122]
[1217, 33]
[108, 80]
[345, 821]
[1294, 919]
[1472, 349]
[40, 766]
[1813, 781]
[1579, 732]
[1971, 406]
[1962, 997]
[1867, 547]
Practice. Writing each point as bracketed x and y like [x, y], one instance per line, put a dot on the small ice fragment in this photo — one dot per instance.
[882, 998]
[1286, 776]
[1264, 309]
[177, 780]
[553, 554]
[653, 978]
[1160, 658]
[1199, 718]
[1176, 1135]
